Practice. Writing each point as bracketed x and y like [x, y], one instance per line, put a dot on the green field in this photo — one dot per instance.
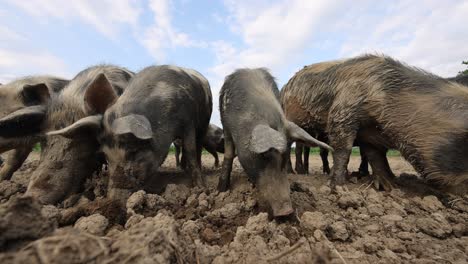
[355, 152]
[313, 151]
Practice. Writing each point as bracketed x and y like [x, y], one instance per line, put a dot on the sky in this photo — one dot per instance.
[216, 37]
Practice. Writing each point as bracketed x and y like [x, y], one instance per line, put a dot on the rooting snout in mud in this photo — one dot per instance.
[160, 104]
[256, 129]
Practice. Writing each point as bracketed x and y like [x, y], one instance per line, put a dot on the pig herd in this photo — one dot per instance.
[110, 115]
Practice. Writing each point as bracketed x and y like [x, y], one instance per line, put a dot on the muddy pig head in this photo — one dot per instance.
[22, 111]
[129, 147]
[270, 147]
[215, 137]
[67, 161]
[127, 142]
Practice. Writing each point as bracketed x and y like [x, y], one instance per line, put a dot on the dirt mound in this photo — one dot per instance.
[10, 188]
[21, 221]
[189, 225]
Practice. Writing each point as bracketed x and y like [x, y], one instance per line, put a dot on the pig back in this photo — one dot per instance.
[170, 97]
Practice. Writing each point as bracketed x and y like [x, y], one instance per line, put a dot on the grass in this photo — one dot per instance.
[354, 152]
[313, 151]
[37, 147]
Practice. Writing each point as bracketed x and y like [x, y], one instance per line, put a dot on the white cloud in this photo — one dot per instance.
[162, 35]
[107, 16]
[428, 35]
[14, 64]
[6, 34]
[272, 32]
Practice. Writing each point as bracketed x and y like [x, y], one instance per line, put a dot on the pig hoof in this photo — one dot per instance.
[223, 186]
[383, 183]
[363, 173]
[356, 174]
[300, 170]
[282, 213]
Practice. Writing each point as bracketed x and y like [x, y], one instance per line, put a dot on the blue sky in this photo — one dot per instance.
[215, 37]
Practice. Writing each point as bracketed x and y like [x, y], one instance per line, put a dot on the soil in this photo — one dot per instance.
[174, 223]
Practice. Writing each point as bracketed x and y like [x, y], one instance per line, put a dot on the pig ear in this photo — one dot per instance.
[99, 95]
[88, 126]
[35, 94]
[265, 138]
[296, 133]
[136, 125]
[26, 121]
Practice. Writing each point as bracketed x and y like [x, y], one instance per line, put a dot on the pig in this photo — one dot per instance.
[462, 79]
[383, 103]
[160, 104]
[17, 95]
[256, 129]
[213, 142]
[364, 166]
[302, 159]
[65, 163]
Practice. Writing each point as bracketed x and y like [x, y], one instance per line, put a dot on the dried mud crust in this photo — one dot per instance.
[188, 225]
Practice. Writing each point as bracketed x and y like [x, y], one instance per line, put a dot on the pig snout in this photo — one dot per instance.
[275, 190]
[282, 208]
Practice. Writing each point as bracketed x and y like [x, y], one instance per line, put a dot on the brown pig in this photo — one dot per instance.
[383, 103]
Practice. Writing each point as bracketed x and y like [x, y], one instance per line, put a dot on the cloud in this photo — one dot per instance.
[107, 16]
[161, 34]
[14, 64]
[6, 34]
[273, 33]
[428, 35]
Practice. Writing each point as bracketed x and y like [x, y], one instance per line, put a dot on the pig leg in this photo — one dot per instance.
[177, 155]
[229, 153]
[299, 164]
[342, 142]
[364, 166]
[14, 161]
[324, 157]
[383, 176]
[306, 159]
[190, 153]
[215, 155]
[199, 154]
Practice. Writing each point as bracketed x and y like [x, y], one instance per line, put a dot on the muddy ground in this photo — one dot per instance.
[173, 223]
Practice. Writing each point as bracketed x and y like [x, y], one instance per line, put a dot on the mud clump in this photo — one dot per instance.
[67, 245]
[152, 240]
[112, 210]
[21, 221]
[435, 225]
[312, 221]
[95, 224]
[10, 188]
